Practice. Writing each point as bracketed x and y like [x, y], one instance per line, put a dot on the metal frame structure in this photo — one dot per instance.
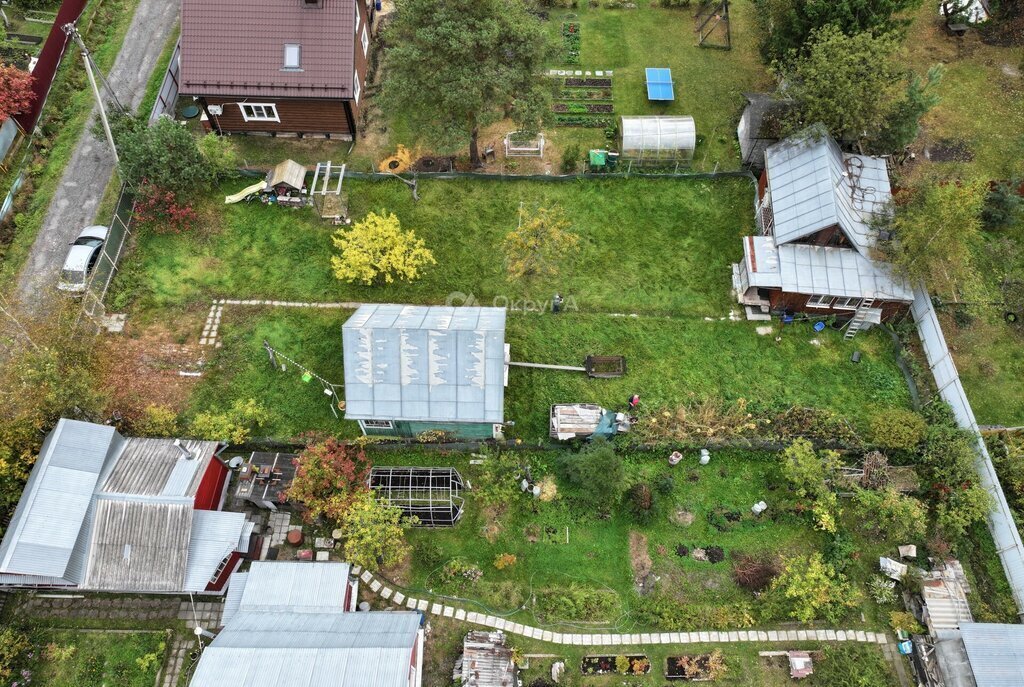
[710, 16]
[432, 495]
[527, 147]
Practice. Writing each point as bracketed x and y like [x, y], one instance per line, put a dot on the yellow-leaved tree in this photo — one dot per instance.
[540, 245]
[376, 250]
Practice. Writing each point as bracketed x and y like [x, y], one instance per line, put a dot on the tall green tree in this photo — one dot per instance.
[457, 66]
[786, 25]
[165, 154]
[903, 123]
[935, 227]
[851, 84]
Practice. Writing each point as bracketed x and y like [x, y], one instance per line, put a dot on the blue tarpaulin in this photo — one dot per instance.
[659, 84]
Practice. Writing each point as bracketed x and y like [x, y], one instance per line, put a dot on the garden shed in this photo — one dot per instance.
[433, 495]
[287, 178]
[657, 140]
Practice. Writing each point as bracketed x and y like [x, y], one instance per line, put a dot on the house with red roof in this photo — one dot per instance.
[278, 67]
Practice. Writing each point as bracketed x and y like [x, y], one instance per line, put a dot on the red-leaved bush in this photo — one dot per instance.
[160, 211]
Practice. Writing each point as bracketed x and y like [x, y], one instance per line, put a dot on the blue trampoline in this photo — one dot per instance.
[659, 84]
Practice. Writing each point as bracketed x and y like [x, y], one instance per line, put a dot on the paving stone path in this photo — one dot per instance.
[176, 660]
[98, 608]
[398, 598]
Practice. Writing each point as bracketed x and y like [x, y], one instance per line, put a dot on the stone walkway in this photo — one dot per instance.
[604, 639]
[176, 660]
[99, 608]
[210, 329]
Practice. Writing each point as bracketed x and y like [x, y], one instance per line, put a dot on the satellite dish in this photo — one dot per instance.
[236, 462]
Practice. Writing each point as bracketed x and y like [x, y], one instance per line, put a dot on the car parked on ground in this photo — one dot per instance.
[82, 258]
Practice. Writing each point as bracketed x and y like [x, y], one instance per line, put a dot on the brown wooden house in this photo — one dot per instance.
[278, 67]
[815, 243]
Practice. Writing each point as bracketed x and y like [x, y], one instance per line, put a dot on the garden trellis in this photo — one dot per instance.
[331, 390]
[432, 495]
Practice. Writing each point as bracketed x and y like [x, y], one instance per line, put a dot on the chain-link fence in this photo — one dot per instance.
[118, 232]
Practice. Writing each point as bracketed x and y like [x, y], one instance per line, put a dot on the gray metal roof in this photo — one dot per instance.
[214, 536]
[405, 362]
[47, 521]
[813, 186]
[996, 653]
[152, 467]
[486, 661]
[822, 270]
[280, 649]
[139, 545]
[295, 587]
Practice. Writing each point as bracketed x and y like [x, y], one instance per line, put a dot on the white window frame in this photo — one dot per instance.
[357, 87]
[365, 41]
[269, 113]
[820, 301]
[297, 67]
[377, 424]
[358, 18]
[846, 303]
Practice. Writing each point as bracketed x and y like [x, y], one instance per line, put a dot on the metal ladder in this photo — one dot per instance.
[859, 317]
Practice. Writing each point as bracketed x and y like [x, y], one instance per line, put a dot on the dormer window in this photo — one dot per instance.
[313, 3]
[292, 57]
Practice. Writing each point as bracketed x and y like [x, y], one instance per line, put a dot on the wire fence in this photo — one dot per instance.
[118, 231]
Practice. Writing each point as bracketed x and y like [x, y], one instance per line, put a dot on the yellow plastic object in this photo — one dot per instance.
[248, 190]
[400, 162]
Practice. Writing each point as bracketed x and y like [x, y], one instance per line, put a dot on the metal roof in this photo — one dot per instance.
[280, 649]
[813, 186]
[294, 587]
[214, 536]
[486, 661]
[658, 133]
[139, 545]
[45, 527]
[406, 362]
[237, 48]
[996, 653]
[155, 467]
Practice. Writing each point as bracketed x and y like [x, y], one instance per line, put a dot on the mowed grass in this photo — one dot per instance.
[982, 95]
[670, 362]
[99, 658]
[660, 246]
[709, 83]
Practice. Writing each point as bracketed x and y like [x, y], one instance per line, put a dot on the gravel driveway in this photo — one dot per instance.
[92, 164]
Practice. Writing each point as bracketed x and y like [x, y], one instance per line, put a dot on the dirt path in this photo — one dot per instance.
[91, 165]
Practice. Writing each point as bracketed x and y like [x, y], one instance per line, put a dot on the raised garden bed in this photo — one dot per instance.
[585, 94]
[571, 42]
[583, 108]
[587, 82]
[583, 121]
[630, 664]
[700, 668]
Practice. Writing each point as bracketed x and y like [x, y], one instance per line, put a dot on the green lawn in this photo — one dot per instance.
[647, 246]
[709, 83]
[99, 658]
[670, 361]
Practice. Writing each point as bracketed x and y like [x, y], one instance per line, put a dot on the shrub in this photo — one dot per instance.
[840, 551]
[890, 513]
[850, 663]
[882, 590]
[12, 645]
[754, 572]
[161, 212]
[157, 421]
[576, 602]
[818, 425]
[374, 532]
[948, 459]
[809, 589]
[571, 158]
[234, 425]
[901, 620]
[221, 155]
[540, 245]
[504, 560]
[876, 474]
[458, 571]
[429, 554]
[897, 429]
[641, 502]
[327, 476]
[665, 485]
[375, 250]
[808, 471]
[669, 614]
[622, 665]
[596, 472]
[1004, 207]
[165, 154]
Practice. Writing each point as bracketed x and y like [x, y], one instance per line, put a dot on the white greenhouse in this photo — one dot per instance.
[657, 140]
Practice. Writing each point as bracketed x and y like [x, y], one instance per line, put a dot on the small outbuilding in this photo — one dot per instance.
[486, 661]
[286, 181]
[657, 140]
[431, 495]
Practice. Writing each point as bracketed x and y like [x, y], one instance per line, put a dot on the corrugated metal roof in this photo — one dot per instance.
[214, 536]
[151, 467]
[813, 185]
[280, 649]
[996, 653]
[46, 523]
[486, 661]
[139, 545]
[658, 133]
[233, 597]
[237, 48]
[838, 272]
[295, 586]
[946, 605]
[405, 362]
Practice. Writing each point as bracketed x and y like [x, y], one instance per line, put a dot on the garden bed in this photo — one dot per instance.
[598, 94]
[630, 664]
[583, 108]
[570, 42]
[589, 82]
[699, 668]
[584, 121]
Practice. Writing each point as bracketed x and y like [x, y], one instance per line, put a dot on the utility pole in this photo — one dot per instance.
[72, 31]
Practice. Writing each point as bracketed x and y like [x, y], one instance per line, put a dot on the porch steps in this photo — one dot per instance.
[859, 319]
[758, 313]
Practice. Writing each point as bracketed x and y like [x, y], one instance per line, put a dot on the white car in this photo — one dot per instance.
[82, 258]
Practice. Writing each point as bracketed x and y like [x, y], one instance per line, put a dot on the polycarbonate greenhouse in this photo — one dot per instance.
[432, 495]
[654, 140]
